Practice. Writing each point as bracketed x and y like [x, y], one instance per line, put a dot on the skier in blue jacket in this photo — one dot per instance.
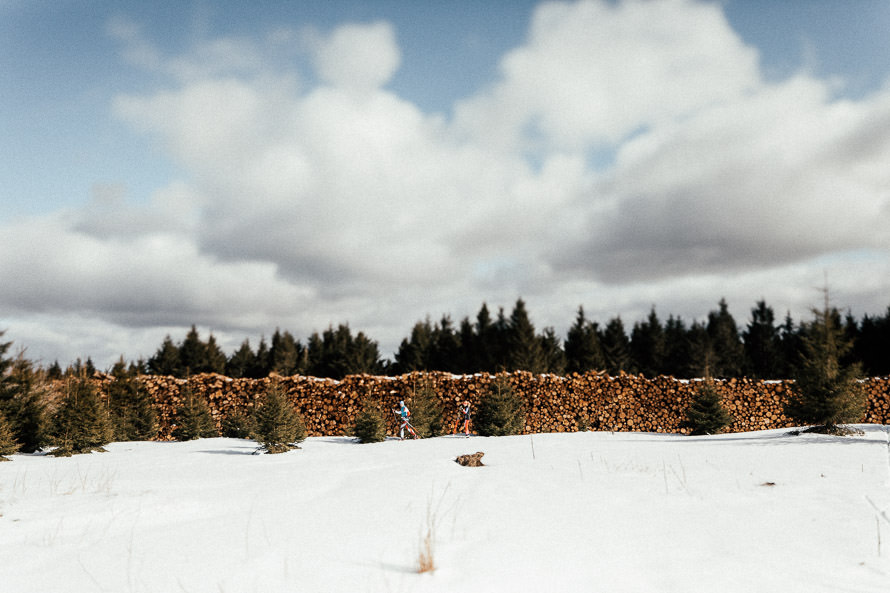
[404, 415]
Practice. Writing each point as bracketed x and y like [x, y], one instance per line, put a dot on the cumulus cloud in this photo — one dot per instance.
[629, 153]
[595, 72]
[357, 56]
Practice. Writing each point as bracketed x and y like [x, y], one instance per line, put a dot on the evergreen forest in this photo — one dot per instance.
[763, 347]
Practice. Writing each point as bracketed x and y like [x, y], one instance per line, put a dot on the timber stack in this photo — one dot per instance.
[594, 401]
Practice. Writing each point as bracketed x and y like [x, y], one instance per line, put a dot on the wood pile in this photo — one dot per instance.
[553, 403]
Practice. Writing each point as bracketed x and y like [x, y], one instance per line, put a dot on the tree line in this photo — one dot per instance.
[763, 348]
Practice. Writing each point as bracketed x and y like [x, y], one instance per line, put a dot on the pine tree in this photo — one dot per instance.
[165, 362]
[647, 346]
[214, 357]
[133, 416]
[237, 425]
[277, 426]
[284, 354]
[524, 351]
[554, 356]
[676, 347]
[706, 414]
[23, 397]
[8, 444]
[193, 419]
[827, 393]
[81, 423]
[369, 424]
[616, 347]
[582, 347]
[426, 409]
[241, 361]
[761, 341]
[501, 412]
[728, 350]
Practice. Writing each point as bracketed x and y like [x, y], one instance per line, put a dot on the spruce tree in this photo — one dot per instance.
[241, 361]
[23, 398]
[728, 350]
[761, 340]
[616, 347]
[8, 444]
[827, 393]
[237, 425]
[193, 419]
[647, 346]
[554, 356]
[165, 362]
[524, 352]
[426, 410]
[277, 426]
[676, 347]
[501, 412]
[369, 424]
[582, 346]
[706, 414]
[81, 423]
[133, 416]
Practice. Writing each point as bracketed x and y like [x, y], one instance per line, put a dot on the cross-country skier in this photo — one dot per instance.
[404, 415]
[464, 415]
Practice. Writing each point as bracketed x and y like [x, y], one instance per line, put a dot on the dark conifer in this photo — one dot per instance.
[553, 355]
[133, 417]
[81, 423]
[241, 361]
[616, 347]
[582, 346]
[725, 342]
[426, 409]
[761, 340]
[827, 393]
[165, 362]
[369, 424]
[647, 346]
[676, 347]
[193, 419]
[277, 426]
[501, 412]
[524, 351]
[8, 444]
[706, 414]
[23, 399]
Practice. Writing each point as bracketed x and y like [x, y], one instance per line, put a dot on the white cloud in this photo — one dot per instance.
[300, 206]
[595, 72]
[357, 57]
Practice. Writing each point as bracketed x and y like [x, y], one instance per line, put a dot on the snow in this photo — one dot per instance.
[548, 512]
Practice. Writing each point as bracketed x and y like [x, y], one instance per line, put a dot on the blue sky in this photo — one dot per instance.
[251, 166]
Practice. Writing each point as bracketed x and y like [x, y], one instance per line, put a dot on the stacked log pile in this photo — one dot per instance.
[553, 403]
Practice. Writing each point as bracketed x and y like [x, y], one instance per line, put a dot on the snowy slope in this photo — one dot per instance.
[555, 512]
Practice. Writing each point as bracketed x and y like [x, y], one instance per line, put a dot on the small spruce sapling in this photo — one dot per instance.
[238, 425]
[8, 444]
[706, 414]
[132, 414]
[278, 427]
[23, 396]
[369, 424]
[826, 392]
[501, 412]
[81, 423]
[193, 418]
[426, 415]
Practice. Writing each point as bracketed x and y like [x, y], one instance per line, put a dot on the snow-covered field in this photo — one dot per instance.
[557, 512]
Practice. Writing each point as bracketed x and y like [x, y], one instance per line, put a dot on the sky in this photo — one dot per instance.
[243, 167]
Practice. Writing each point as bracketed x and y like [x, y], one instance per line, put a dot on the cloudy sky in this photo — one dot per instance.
[247, 166]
